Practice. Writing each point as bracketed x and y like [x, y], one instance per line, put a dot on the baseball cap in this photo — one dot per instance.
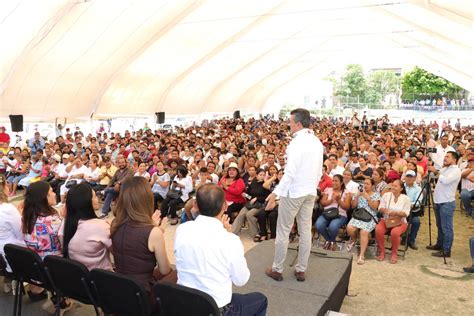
[66, 156]
[410, 173]
[57, 157]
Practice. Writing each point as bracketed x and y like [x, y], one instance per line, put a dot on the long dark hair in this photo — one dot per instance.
[78, 206]
[36, 204]
[341, 179]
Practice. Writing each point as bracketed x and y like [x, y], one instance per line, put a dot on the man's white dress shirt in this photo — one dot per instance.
[445, 190]
[304, 166]
[209, 258]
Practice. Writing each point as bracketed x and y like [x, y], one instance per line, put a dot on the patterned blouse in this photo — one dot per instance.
[44, 238]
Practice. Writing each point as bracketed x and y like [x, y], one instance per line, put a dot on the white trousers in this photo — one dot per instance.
[288, 209]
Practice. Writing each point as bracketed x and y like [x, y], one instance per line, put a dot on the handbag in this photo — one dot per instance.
[331, 213]
[392, 221]
[362, 214]
[70, 183]
[250, 205]
[174, 193]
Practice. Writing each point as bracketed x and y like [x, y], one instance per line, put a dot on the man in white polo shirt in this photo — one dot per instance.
[210, 258]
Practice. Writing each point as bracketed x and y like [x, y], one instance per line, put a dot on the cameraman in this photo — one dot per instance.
[444, 197]
[35, 143]
[437, 154]
[413, 191]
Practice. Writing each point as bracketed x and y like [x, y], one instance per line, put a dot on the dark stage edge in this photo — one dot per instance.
[327, 281]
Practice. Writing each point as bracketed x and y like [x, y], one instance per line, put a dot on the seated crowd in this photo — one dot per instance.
[149, 179]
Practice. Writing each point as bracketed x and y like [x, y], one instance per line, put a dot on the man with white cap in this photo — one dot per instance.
[60, 175]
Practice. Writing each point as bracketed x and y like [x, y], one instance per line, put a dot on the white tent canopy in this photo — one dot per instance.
[76, 58]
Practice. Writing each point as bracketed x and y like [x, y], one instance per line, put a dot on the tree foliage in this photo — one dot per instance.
[381, 83]
[352, 82]
[419, 83]
[354, 86]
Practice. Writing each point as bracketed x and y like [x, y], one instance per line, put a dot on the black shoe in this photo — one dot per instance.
[441, 254]
[38, 297]
[469, 269]
[434, 247]
[413, 246]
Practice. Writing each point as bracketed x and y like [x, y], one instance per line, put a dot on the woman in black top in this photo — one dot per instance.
[271, 215]
[249, 176]
[363, 171]
[255, 195]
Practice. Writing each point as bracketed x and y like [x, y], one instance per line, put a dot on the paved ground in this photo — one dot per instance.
[418, 285]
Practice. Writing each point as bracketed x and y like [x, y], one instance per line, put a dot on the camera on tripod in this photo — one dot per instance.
[432, 150]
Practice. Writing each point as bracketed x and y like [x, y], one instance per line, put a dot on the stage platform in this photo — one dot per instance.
[327, 281]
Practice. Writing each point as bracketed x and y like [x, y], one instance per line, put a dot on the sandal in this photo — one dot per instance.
[257, 238]
[381, 257]
[361, 260]
[350, 245]
[394, 259]
[263, 238]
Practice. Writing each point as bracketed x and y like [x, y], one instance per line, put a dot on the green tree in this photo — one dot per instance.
[381, 83]
[352, 83]
[419, 83]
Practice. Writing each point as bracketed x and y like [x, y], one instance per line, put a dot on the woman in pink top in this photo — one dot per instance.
[336, 197]
[85, 237]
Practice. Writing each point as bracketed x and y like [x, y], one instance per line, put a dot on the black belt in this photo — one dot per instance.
[224, 309]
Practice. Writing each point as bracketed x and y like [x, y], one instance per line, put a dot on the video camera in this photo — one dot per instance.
[432, 150]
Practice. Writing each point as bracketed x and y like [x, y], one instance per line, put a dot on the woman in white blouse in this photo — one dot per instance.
[93, 172]
[10, 228]
[141, 172]
[182, 185]
[394, 205]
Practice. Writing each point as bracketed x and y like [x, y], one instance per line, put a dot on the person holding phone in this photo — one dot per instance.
[179, 191]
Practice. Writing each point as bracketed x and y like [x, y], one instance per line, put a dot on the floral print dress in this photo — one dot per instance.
[44, 239]
[363, 203]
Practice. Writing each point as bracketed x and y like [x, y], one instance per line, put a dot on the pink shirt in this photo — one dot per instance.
[329, 192]
[91, 244]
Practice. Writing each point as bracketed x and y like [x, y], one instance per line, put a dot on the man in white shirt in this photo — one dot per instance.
[441, 150]
[210, 258]
[297, 191]
[333, 167]
[444, 197]
[211, 168]
[270, 162]
[75, 172]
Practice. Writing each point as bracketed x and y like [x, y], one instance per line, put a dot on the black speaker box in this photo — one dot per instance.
[17, 123]
[160, 117]
[236, 114]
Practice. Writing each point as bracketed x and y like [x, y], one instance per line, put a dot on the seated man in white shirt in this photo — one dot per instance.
[333, 167]
[210, 258]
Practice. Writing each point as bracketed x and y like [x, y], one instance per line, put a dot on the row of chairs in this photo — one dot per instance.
[112, 292]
